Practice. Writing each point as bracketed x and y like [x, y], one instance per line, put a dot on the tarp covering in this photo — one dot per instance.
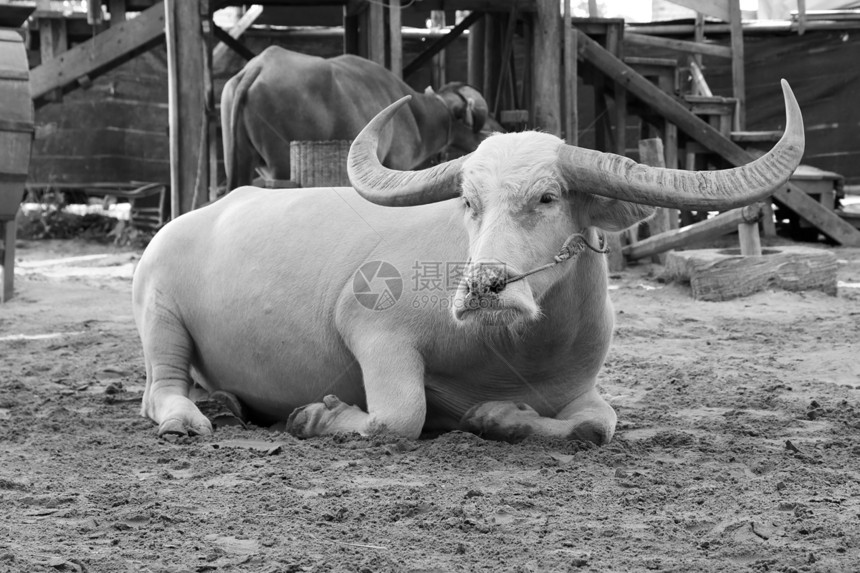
[822, 68]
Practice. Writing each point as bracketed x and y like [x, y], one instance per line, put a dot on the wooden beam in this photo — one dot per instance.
[478, 5]
[186, 78]
[676, 112]
[98, 55]
[546, 88]
[441, 44]
[246, 21]
[702, 231]
[684, 46]
[228, 41]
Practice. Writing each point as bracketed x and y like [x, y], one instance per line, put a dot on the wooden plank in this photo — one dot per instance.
[546, 91]
[718, 9]
[674, 111]
[228, 41]
[100, 54]
[219, 52]
[702, 231]
[684, 46]
[479, 5]
[85, 169]
[441, 43]
[475, 54]
[828, 222]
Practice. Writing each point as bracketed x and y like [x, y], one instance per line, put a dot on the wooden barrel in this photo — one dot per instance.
[319, 163]
[16, 122]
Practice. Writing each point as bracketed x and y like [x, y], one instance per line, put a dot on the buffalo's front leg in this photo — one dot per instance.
[394, 387]
[588, 418]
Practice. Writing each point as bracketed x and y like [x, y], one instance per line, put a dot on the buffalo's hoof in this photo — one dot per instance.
[594, 431]
[313, 419]
[223, 409]
[198, 426]
[502, 421]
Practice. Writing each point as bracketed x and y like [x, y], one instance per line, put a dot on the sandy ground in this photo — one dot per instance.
[737, 450]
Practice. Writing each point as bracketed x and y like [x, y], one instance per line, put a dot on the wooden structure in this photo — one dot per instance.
[522, 53]
[16, 134]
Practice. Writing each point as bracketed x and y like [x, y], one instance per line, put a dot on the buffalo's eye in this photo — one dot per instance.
[547, 198]
[467, 203]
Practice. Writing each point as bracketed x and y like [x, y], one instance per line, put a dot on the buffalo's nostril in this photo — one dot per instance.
[486, 279]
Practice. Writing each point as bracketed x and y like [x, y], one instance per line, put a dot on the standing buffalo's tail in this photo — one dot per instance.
[238, 149]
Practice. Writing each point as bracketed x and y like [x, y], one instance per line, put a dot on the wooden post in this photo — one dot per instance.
[438, 75]
[749, 239]
[8, 261]
[738, 80]
[375, 32]
[116, 9]
[651, 153]
[53, 41]
[492, 56]
[186, 80]
[615, 44]
[476, 54]
[571, 82]
[351, 32]
[546, 91]
[396, 38]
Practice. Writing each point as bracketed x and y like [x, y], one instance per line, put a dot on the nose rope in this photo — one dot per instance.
[570, 249]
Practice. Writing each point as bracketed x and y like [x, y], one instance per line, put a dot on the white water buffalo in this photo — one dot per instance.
[282, 96]
[329, 310]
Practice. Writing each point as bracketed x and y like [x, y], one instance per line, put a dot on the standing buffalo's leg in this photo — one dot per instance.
[589, 418]
[394, 387]
[167, 349]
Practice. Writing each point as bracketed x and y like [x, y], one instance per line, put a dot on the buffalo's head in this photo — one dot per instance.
[523, 194]
[469, 113]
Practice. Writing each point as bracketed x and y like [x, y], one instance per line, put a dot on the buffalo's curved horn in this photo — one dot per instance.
[610, 175]
[384, 186]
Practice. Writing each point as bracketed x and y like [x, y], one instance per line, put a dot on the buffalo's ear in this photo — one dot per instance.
[612, 214]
